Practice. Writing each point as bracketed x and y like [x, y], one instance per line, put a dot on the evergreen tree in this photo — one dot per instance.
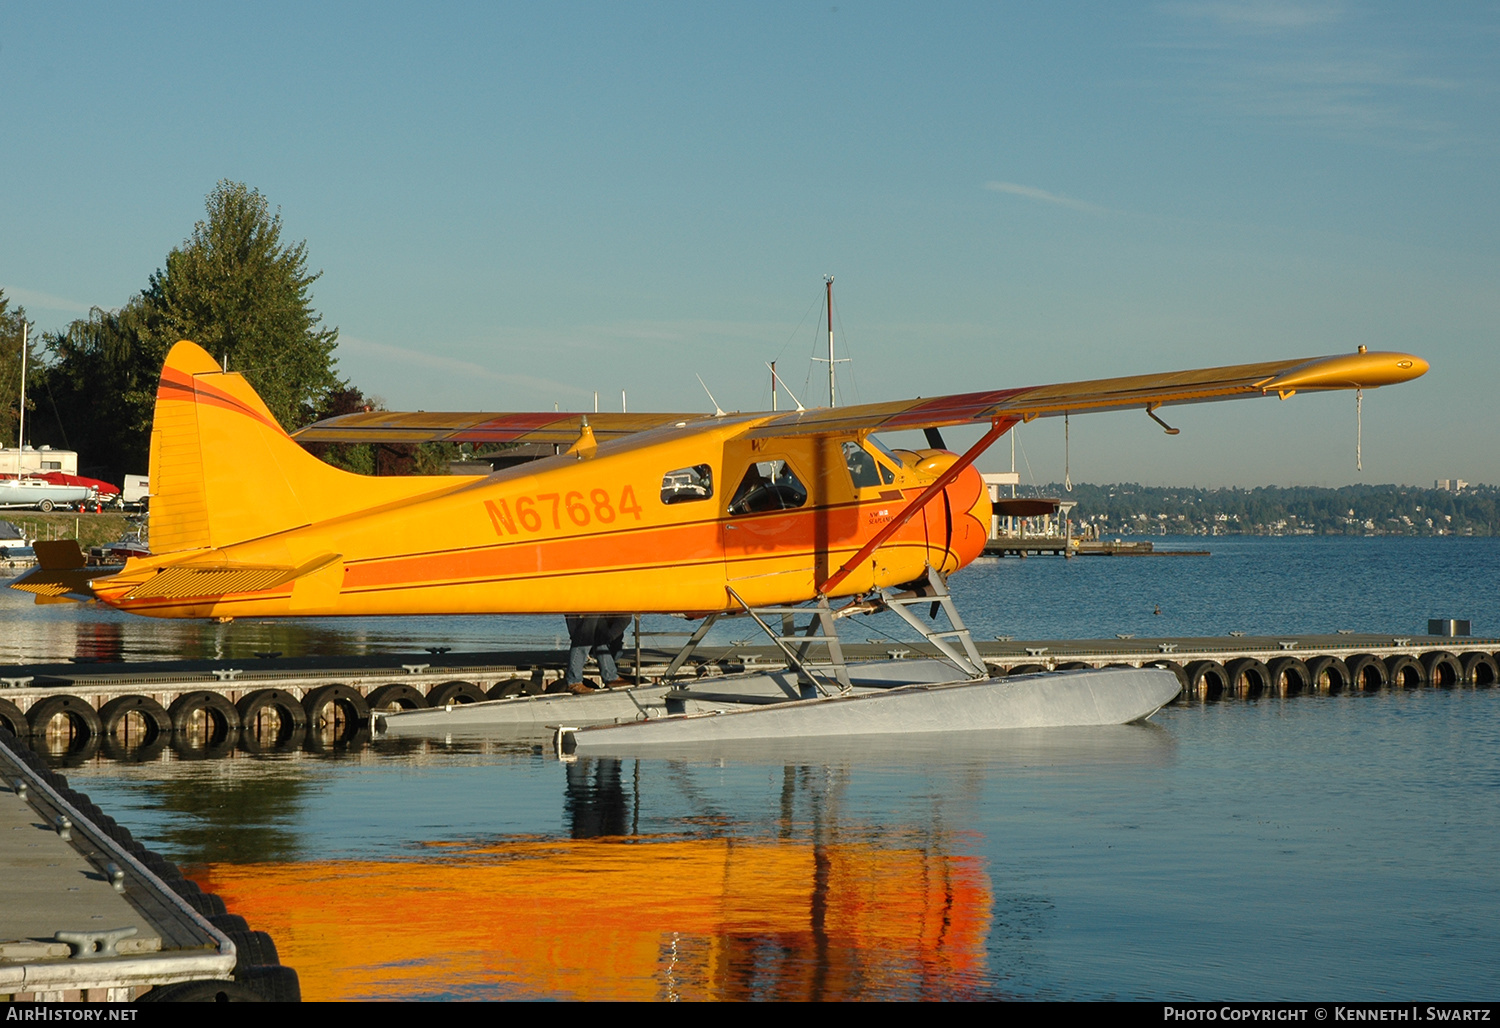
[234, 290]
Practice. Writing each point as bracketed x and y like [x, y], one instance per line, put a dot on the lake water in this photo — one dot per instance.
[1311, 848]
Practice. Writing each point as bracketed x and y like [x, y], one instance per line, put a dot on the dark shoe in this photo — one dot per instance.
[581, 688]
[619, 683]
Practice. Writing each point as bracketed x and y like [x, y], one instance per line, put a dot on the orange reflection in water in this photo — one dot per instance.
[625, 919]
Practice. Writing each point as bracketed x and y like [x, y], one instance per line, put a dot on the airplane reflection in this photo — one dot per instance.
[626, 918]
[813, 910]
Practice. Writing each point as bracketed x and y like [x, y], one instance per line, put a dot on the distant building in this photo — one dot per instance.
[1450, 485]
[32, 459]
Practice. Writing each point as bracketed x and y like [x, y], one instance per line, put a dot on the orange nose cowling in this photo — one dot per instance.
[958, 522]
[969, 499]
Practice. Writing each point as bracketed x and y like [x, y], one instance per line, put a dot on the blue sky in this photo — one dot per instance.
[516, 205]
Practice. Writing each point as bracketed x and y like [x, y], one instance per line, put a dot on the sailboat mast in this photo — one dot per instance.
[832, 397]
[21, 424]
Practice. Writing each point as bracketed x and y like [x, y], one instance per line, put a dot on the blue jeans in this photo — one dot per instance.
[595, 636]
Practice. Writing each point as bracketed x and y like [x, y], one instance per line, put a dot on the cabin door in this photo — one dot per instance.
[767, 528]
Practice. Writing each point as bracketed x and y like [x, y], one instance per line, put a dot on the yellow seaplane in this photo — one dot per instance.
[764, 514]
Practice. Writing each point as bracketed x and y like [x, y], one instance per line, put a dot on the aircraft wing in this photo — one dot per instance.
[1282, 378]
[477, 427]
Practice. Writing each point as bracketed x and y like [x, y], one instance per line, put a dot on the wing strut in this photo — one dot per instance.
[998, 427]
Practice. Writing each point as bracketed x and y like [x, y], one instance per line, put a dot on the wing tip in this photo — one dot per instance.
[1362, 370]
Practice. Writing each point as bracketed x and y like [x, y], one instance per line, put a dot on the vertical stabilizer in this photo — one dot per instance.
[224, 472]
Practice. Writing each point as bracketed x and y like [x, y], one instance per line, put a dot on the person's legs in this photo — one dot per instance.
[609, 671]
[576, 657]
[580, 637]
[611, 641]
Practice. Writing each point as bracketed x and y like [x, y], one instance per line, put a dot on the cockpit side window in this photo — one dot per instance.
[864, 469]
[768, 485]
[688, 484]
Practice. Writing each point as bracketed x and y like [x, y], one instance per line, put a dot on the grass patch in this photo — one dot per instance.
[88, 529]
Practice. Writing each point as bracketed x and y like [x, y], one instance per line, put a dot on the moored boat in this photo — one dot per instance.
[40, 494]
[131, 544]
[15, 548]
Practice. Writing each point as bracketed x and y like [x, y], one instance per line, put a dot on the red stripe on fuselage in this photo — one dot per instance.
[782, 534]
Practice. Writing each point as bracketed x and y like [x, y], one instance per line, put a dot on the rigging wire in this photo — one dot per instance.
[1067, 456]
[795, 332]
[1359, 429]
[838, 313]
[1030, 477]
[807, 379]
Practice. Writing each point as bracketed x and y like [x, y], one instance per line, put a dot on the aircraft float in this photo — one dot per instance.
[769, 514]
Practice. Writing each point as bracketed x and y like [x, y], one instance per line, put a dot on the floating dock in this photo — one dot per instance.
[215, 707]
[87, 914]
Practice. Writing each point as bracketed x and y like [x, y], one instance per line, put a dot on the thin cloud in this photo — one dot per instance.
[1324, 69]
[465, 369]
[1259, 15]
[31, 299]
[1032, 193]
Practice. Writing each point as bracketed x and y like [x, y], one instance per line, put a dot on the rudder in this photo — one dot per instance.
[224, 472]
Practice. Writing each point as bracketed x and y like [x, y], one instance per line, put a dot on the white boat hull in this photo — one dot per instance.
[1108, 696]
[27, 492]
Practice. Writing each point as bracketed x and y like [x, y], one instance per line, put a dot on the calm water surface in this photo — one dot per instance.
[1309, 848]
[1254, 585]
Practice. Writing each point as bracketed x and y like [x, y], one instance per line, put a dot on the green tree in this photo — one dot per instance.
[356, 457]
[236, 291]
[232, 288]
[11, 321]
[100, 389]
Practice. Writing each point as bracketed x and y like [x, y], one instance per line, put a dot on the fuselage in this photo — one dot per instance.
[668, 521]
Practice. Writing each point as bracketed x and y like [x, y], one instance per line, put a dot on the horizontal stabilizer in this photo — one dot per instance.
[181, 581]
[68, 583]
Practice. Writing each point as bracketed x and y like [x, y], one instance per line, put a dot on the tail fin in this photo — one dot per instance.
[224, 472]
